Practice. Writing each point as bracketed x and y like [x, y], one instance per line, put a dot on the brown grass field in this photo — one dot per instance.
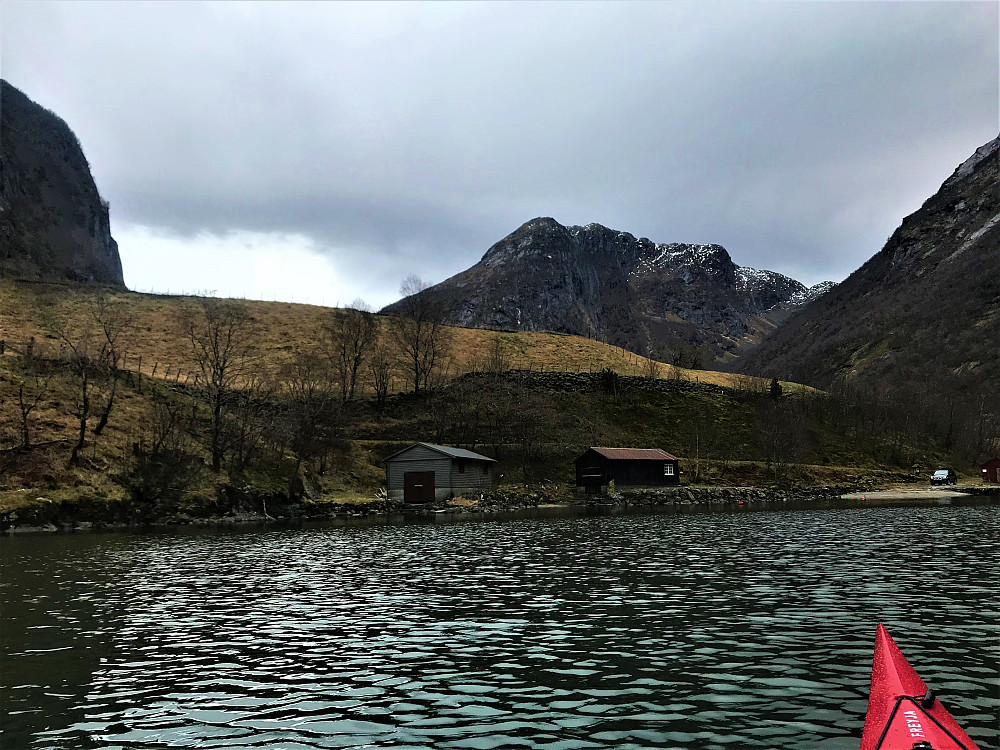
[159, 346]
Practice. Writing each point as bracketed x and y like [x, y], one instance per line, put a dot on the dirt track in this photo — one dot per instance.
[906, 493]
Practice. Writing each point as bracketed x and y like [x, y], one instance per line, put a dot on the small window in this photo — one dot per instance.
[668, 470]
[461, 467]
[486, 468]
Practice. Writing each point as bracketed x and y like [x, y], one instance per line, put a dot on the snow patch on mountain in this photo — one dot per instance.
[753, 280]
[675, 254]
[968, 166]
[811, 293]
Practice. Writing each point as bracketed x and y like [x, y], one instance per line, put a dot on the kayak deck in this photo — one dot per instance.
[902, 713]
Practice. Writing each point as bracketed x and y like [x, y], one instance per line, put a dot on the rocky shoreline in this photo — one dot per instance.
[92, 516]
[502, 500]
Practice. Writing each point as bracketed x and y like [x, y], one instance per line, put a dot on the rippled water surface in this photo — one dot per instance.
[639, 631]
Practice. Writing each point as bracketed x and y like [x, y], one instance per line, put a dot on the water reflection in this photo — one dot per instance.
[673, 631]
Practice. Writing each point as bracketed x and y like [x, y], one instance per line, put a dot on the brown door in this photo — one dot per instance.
[418, 487]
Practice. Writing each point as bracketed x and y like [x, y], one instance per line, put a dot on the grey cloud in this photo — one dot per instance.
[797, 135]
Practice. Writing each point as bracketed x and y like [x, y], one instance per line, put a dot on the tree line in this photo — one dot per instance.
[238, 406]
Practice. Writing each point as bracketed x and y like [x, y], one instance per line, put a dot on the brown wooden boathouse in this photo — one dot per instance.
[626, 467]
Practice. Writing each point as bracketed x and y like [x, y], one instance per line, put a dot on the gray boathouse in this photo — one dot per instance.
[424, 472]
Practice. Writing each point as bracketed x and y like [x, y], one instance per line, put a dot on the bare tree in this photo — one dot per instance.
[381, 366]
[162, 430]
[350, 335]
[651, 368]
[420, 332]
[82, 367]
[310, 405]
[780, 435]
[223, 337]
[116, 324]
[29, 395]
[77, 348]
[465, 409]
[498, 416]
[696, 360]
[498, 359]
[251, 417]
[445, 369]
[96, 344]
[749, 386]
[93, 347]
[532, 419]
[162, 466]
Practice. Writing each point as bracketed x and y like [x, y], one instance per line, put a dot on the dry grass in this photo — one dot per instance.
[463, 502]
[714, 473]
[52, 419]
[160, 346]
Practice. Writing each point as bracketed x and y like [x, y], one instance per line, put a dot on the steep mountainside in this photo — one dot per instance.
[925, 310]
[607, 284]
[53, 224]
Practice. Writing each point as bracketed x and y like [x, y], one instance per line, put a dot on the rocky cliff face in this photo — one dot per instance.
[53, 224]
[924, 310]
[608, 284]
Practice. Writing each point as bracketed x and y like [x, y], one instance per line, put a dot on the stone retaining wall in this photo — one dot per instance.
[506, 499]
[576, 382]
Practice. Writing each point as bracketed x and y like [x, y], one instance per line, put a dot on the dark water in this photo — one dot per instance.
[668, 631]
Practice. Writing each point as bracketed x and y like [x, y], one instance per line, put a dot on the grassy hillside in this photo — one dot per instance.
[28, 311]
[280, 444]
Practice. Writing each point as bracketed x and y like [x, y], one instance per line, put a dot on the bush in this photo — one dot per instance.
[158, 482]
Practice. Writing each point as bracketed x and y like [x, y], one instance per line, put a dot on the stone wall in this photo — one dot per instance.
[578, 382]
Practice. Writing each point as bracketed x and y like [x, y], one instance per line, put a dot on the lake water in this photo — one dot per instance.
[657, 630]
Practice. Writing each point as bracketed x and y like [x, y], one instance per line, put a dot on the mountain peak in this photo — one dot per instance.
[598, 281]
[54, 225]
[711, 258]
[967, 167]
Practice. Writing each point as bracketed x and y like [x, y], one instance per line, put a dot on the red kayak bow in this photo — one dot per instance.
[902, 713]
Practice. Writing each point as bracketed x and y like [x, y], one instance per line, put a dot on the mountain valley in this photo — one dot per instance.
[560, 337]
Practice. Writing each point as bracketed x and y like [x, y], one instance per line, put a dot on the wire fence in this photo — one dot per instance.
[132, 366]
[137, 366]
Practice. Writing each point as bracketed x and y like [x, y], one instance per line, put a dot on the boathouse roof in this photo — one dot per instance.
[445, 450]
[634, 454]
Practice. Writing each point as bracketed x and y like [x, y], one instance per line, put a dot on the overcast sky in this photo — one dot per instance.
[323, 151]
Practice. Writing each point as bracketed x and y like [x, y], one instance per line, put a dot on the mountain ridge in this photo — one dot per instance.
[605, 283]
[924, 309]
